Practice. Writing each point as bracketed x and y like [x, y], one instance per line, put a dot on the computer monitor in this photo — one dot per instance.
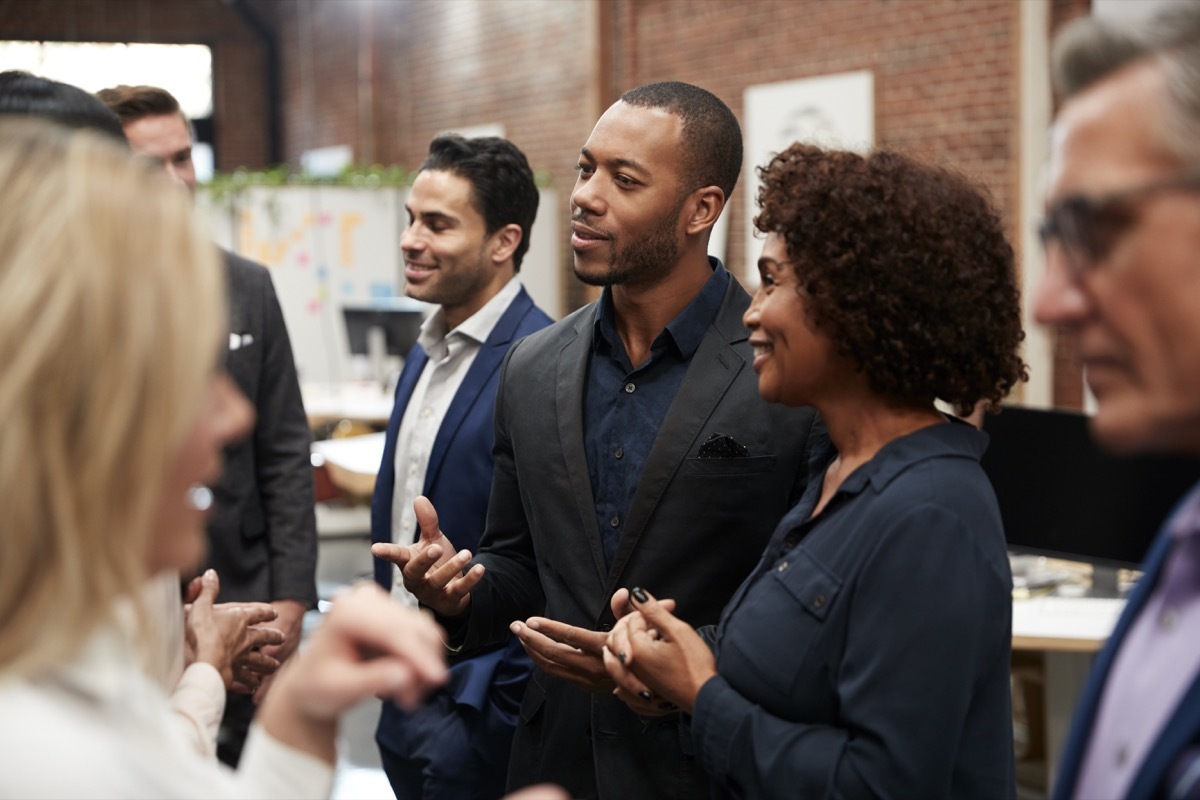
[384, 331]
[398, 318]
[1061, 495]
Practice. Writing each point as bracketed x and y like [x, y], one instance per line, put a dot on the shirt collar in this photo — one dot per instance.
[1185, 522]
[957, 438]
[477, 327]
[688, 327]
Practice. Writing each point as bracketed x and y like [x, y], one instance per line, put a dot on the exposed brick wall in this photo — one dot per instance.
[944, 70]
[239, 91]
[1068, 371]
[385, 77]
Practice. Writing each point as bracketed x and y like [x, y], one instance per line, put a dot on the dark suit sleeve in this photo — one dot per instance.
[511, 588]
[914, 629]
[282, 443]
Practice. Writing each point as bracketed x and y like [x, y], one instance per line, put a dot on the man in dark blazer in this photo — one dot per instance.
[1122, 236]
[632, 448]
[262, 533]
[470, 213]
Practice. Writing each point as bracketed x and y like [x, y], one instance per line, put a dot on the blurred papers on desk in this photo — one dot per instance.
[358, 401]
[351, 462]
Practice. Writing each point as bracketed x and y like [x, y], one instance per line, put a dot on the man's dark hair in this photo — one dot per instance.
[712, 138]
[134, 102]
[503, 189]
[30, 95]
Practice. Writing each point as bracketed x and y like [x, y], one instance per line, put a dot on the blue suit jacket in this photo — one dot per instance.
[1182, 729]
[458, 481]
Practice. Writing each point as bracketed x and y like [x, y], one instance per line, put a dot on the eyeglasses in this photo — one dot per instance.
[1087, 228]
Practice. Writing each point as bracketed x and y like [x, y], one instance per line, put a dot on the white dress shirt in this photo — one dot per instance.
[451, 354]
[101, 726]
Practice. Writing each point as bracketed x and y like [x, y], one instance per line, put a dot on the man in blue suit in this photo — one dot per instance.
[470, 212]
[1122, 237]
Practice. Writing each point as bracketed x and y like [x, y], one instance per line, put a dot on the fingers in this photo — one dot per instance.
[588, 641]
[209, 586]
[657, 613]
[192, 591]
[427, 520]
[376, 627]
[543, 791]
[255, 662]
[254, 613]
[580, 667]
[397, 554]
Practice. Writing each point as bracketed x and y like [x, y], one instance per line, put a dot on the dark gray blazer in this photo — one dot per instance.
[263, 534]
[695, 530]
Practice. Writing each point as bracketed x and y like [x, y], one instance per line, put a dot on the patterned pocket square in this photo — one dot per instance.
[721, 446]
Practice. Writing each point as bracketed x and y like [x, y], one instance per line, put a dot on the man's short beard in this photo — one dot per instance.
[643, 260]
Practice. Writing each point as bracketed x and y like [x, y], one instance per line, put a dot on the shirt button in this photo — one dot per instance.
[783, 565]
[1168, 619]
[426, 412]
[618, 453]
[615, 521]
[1122, 755]
[630, 388]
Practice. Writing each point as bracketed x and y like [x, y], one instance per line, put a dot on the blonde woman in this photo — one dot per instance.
[114, 412]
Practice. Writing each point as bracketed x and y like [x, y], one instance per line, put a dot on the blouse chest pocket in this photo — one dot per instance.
[783, 632]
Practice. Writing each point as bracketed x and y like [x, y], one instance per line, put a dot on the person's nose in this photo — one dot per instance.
[751, 317]
[1060, 299]
[411, 241]
[586, 197]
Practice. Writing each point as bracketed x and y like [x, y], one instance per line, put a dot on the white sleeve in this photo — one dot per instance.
[198, 702]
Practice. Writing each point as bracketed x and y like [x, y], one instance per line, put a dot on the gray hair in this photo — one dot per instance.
[1091, 48]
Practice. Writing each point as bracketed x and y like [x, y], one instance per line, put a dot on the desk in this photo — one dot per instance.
[358, 401]
[1067, 632]
[352, 462]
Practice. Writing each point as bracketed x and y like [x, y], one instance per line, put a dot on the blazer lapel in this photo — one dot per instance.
[1088, 705]
[569, 387]
[712, 370]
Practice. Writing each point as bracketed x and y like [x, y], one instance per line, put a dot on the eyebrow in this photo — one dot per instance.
[616, 163]
[428, 216]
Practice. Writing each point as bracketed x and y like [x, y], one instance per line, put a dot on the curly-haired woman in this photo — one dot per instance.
[868, 654]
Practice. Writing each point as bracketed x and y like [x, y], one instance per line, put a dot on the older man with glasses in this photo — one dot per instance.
[1122, 236]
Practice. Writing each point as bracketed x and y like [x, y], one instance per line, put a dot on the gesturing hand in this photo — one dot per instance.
[655, 657]
[431, 569]
[229, 635]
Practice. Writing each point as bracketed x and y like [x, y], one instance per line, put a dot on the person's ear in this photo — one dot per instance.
[505, 242]
[704, 206]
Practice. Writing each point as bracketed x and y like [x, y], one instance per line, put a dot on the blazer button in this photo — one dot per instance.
[818, 601]
[783, 565]
[606, 627]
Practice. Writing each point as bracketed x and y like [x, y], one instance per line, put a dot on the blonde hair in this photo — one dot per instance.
[111, 316]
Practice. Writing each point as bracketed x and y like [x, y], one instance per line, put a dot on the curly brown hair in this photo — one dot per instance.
[906, 267]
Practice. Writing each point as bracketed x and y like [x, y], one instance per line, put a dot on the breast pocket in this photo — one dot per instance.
[728, 467]
[783, 631]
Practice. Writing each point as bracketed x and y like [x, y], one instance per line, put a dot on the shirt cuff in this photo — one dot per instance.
[276, 770]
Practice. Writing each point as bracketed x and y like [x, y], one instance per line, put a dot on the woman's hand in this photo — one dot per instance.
[366, 646]
[658, 661]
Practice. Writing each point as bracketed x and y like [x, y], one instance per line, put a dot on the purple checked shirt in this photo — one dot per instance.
[1157, 662]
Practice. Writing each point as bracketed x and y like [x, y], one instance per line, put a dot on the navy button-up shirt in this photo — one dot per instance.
[624, 406]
